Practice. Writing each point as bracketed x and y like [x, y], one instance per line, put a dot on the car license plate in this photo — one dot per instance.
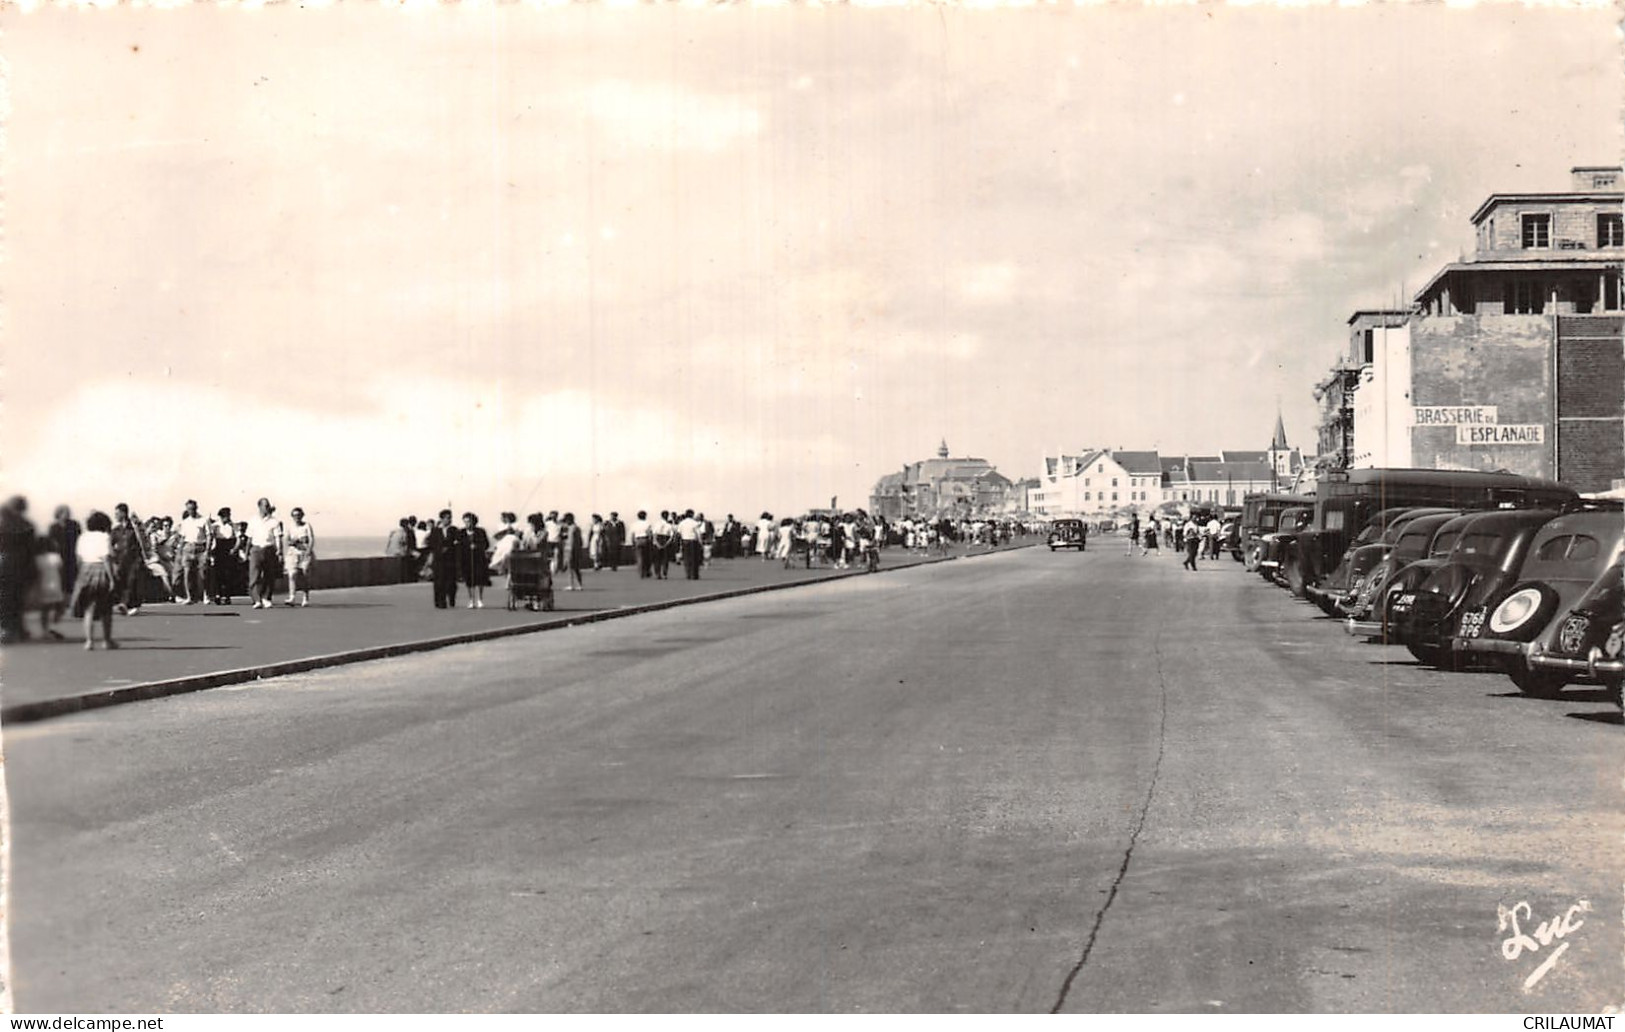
[1405, 601]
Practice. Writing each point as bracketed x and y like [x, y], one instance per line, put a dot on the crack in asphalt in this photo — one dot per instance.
[1134, 834]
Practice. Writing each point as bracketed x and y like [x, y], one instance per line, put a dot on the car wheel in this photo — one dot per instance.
[1613, 690]
[1052, 548]
[1539, 684]
[1250, 561]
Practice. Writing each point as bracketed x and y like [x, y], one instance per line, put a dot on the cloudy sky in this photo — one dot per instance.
[368, 260]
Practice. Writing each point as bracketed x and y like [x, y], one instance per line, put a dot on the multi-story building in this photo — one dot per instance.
[1512, 358]
[943, 486]
[1111, 482]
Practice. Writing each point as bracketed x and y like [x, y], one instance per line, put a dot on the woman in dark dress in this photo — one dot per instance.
[474, 556]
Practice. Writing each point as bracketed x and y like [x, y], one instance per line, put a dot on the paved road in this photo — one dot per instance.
[1017, 783]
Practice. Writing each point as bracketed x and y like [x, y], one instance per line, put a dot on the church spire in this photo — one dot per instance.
[942, 449]
[1278, 442]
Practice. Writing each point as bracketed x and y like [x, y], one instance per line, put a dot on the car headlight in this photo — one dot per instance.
[1615, 642]
[1515, 610]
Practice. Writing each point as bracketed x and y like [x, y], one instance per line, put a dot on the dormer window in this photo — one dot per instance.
[1537, 231]
[1611, 230]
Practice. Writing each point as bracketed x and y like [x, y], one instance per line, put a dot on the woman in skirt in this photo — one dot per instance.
[297, 557]
[93, 589]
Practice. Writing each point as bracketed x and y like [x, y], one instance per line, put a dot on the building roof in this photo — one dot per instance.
[1139, 463]
[1230, 472]
[1582, 197]
[1245, 456]
[1525, 265]
[1384, 314]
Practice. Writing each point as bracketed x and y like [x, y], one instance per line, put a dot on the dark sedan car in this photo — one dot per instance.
[1367, 549]
[1587, 642]
[1482, 564]
[1422, 546]
[1068, 534]
[1565, 559]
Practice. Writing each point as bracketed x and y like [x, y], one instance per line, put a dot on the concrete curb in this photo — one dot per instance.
[28, 712]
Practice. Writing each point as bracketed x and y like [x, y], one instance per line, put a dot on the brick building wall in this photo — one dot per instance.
[1591, 401]
[1500, 360]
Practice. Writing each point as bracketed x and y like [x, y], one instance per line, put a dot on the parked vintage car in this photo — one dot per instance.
[1565, 559]
[1423, 543]
[1067, 534]
[1586, 643]
[1271, 547]
[1482, 564]
[1345, 501]
[1260, 515]
[1368, 548]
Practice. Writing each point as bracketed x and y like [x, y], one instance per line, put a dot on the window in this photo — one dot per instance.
[1605, 179]
[1114, 496]
[1537, 231]
[1100, 468]
[1114, 484]
[1526, 297]
[1572, 547]
[1611, 230]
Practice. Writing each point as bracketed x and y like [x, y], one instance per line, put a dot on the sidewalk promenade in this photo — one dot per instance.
[169, 649]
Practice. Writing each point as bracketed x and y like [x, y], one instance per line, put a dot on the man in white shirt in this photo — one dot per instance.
[195, 534]
[688, 532]
[661, 537]
[640, 529]
[264, 554]
[1211, 534]
[1192, 543]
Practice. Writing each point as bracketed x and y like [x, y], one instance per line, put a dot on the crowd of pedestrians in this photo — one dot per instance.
[1192, 538]
[114, 563]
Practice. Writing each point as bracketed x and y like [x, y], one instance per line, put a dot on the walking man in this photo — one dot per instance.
[1133, 533]
[129, 553]
[445, 540]
[661, 537]
[688, 531]
[194, 533]
[641, 543]
[614, 540]
[1193, 541]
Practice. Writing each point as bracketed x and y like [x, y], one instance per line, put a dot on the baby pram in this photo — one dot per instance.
[530, 580]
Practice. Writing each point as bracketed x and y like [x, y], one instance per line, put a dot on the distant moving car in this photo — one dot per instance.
[1587, 642]
[1067, 534]
[1565, 559]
